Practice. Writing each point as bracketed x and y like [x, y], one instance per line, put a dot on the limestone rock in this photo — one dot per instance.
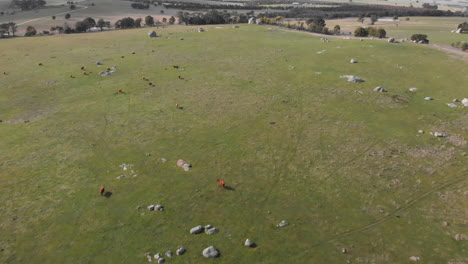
[248, 243]
[210, 252]
[196, 230]
[152, 34]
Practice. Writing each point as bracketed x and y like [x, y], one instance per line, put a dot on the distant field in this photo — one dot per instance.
[263, 111]
[438, 29]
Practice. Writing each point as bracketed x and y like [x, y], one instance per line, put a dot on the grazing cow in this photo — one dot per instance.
[221, 183]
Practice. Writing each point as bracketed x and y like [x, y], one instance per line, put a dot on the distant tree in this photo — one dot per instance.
[53, 17]
[361, 19]
[69, 30]
[67, 16]
[27, 4]
[337, 29]
[4, 28]
[101, 23]
[81, 26]
[138, 22]
[12, 27]
[164, 20]
[149, 21]
[318, 21]
[381, 33]
[172, 20]
[30, 31]
[90, 21]
[374, 19]
[140, 5]
[325, 31]
[420, 38]
[361, 32]
[429, 6]
[126, 22]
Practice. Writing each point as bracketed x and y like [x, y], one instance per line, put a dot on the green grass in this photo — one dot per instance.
[340, 166]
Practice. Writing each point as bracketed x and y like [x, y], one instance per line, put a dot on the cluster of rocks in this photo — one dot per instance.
[109, 71]
[283, 223]
[437, 134]
[186, 166]
[352, 78]
[209, 230]
[125, 167]
[158, 257]
[157, 207]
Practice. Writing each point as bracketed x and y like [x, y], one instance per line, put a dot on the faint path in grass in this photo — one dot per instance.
[394, 213]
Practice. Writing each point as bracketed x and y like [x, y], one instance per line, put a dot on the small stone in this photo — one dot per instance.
[452, 105]
[420, 131]
[413, 89]
[414, 258]
[211, 231]
[158, 207]
[181, 38]
[208, 227]
[169, 254]
[248, 243]
[180, 251]
[98, 63]
[148, 154]
[163, 159]
[353, 61]
[210, 252]
[380, 89]
[282, 224]
[138, 207]
[456, 100]
[161, 260]
[445, 223]
[344, 250]
[151, 207]
[196, 230]
[427, 98]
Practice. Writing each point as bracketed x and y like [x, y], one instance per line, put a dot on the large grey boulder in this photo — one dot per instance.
[152, 34]
[196, 230]
[210, 252]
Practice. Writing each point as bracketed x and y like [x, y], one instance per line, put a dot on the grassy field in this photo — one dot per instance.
[262, 111]
[438, 29]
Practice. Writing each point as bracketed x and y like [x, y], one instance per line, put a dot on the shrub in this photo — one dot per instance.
[361, 32]
[420, 37]
[30, 31]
